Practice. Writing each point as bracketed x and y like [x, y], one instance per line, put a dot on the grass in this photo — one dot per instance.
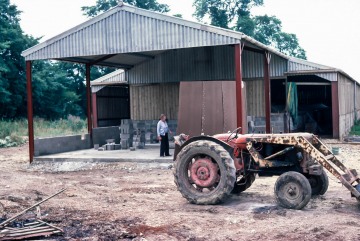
[355, 130]
[12, 133]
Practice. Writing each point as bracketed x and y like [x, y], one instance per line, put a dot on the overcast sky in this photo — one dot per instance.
[327, 29]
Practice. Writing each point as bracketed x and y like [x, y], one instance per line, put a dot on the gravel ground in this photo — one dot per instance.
[133, 201]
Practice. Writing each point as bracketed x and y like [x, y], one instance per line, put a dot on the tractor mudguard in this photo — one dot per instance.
[178, 148]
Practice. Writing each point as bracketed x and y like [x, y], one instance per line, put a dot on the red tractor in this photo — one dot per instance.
[210, 168]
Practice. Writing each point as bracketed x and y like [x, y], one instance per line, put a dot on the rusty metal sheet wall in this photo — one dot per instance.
[190, 108]
[149, 101]
[213, 111]
[207, 107]
[255, 96]
[229, 104]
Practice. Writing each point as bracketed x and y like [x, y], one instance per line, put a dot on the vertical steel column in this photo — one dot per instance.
[94, 110]
[88, 97]
[239, 93]
[267, 58]
[30, 110]
[335, 109]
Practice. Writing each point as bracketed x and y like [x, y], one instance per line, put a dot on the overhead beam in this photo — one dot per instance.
[141, 55]
[30, 110]
[102, 59]
[260, 51]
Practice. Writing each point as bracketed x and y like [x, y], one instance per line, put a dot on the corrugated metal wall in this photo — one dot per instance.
[358, 100]
[199, 64]
[255, 97]
[299, 66]
[149, 101]
[253, 65]
[346, 104]
[195, 64]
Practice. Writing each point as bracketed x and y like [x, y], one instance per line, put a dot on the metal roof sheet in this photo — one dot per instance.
[127, 29]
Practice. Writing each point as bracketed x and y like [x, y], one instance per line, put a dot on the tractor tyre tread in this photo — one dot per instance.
[226, 184]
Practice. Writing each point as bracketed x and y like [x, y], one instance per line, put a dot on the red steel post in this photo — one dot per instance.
[94, 110]
[267, 58]
[88, 97]
[239, 93]
[335, 109]
[30, 110]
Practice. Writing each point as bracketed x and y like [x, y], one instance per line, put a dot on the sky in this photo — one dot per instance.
[328, 30]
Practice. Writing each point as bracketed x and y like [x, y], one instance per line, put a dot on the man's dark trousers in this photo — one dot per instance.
[164, 145]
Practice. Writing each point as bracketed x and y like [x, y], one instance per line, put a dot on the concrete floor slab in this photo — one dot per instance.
[149, 154]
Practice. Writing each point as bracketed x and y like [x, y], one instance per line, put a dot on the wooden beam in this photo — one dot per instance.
[30, 110]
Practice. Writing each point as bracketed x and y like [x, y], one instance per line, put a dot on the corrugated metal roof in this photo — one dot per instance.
[114, 78]
[127, 29]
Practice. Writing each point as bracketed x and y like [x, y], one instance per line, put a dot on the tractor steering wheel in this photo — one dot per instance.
[236, 131]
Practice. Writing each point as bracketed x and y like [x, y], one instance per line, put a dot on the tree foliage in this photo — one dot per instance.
[12, 66]
[104, 5]
[236, 15]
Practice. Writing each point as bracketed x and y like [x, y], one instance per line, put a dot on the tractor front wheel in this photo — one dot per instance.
[292, 190]
[319, 183]
[243, 183]
[204, 172]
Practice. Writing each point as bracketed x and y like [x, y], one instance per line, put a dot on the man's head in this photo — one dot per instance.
[163, 117]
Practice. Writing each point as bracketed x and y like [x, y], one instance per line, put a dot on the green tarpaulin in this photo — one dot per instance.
[292, 101]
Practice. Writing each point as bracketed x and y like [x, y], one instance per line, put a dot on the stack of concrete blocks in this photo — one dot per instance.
[144, 131]
[126, 133]
[259, 123]
[139, 134]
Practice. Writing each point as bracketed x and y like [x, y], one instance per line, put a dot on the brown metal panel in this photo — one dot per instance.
[190, 108]
[335, 108]
[30, 109]
[229, 101]
[88, 97]
[212, 111]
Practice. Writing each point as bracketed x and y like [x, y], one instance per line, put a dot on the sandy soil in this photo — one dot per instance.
[140, 202]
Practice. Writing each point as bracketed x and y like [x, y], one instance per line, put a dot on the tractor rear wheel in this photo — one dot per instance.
[243, 183]
[292, 190]
[319, 183]
[204, 173]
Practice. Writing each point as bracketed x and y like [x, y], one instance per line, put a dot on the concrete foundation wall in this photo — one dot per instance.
[53, 145]
[100, 135]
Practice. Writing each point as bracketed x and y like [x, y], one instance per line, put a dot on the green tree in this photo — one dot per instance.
[104, 5]
[12, 65]
[236, 15]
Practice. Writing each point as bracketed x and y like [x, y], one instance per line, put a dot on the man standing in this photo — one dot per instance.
[162, 133]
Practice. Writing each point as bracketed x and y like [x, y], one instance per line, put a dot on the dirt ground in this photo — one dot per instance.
[128, 201]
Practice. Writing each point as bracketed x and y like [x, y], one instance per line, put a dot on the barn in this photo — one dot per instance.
[206, 79]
